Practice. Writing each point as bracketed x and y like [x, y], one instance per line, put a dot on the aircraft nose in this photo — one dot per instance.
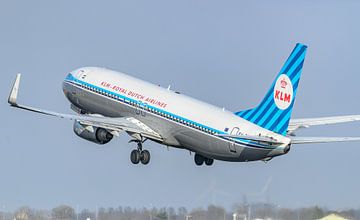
[64, 89]
[65, 86]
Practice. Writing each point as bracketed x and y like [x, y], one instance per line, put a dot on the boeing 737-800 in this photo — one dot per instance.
[109, 102]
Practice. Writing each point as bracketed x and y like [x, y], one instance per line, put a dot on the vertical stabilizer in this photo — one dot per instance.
[274, 111]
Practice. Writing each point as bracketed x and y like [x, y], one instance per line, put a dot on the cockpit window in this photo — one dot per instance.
[81, 74]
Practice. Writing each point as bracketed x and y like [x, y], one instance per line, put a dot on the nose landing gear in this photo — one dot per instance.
[139, 155]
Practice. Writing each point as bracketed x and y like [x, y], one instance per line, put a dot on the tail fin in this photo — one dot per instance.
[275, 109]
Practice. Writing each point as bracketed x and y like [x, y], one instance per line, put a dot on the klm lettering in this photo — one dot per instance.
[282, 96]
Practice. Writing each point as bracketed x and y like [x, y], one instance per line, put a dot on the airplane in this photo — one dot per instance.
[108, 103]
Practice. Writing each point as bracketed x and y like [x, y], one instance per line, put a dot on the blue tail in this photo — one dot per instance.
[275, 109]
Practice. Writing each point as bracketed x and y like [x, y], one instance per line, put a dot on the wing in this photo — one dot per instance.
[114, 125]
[311, 140]
[307, 122]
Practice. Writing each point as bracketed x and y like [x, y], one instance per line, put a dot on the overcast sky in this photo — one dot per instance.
[224, 52]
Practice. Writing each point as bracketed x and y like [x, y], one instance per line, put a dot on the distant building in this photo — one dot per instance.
[237, 216]
[333, 217]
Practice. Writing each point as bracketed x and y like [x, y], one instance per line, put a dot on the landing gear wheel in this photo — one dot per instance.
[199, 160]
[135, 156]
[209, 161]
[145, 157]
[139, 155]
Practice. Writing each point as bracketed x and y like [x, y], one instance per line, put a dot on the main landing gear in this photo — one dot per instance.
[139, 155]
[200, 160]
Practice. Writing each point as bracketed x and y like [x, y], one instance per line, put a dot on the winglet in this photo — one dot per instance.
[14, 91]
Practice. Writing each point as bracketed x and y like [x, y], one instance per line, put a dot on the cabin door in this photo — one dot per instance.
[232, 147]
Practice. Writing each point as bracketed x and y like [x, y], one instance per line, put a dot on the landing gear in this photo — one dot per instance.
[135, 156]
[140, 155]
[209, 161]
[145, 157]
[199, 160]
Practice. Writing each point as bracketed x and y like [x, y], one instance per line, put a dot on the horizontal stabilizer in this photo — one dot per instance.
[308, 122]
[314, 140]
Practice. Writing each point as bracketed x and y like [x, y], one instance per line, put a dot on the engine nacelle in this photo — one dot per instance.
[95, 134]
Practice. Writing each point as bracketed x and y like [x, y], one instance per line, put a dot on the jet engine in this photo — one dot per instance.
[92, 133]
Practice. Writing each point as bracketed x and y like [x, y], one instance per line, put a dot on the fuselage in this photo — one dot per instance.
[182, 121]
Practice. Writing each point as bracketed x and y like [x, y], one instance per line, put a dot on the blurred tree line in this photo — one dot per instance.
[212, 212]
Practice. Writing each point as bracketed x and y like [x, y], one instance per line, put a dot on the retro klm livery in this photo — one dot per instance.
[274, 111]
[108, 103]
